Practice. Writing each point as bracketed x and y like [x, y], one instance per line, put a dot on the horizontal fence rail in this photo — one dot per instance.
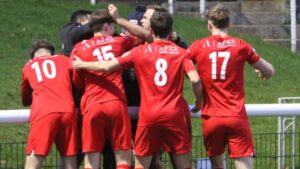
[12, 153]
[22, 115]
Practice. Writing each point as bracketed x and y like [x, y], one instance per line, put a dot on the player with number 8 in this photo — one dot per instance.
[160, 68]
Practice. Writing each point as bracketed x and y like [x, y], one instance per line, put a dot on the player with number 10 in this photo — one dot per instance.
[160, 68]
[46, 86]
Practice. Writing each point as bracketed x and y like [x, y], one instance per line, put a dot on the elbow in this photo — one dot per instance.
[270, 72]
[104, 70]
[195, 80]
[26, 102]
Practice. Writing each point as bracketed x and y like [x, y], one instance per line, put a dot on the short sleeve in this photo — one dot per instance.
[73, 53]
[252, 56]
[188, 64]
[127, 59]
[77, 75]
[192, 50]
[129, 41]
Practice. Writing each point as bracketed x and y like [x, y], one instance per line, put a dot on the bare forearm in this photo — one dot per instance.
[135, 29]
[100, 66]
[265, 68]
[197, 88]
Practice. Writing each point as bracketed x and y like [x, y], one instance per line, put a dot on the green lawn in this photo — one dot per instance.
[25, 20]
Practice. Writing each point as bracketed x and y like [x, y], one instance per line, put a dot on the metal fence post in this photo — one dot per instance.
[284, 125]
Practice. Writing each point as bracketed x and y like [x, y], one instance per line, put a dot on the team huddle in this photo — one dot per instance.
[95, 67]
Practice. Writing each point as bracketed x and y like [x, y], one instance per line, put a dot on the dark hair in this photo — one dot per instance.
[137, 15]
[41, 43]
[78, 14]
[161, 24]
[99, 18]
[219, 16]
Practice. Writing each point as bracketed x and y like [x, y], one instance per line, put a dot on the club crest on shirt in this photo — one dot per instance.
[221, 44]
[98, 41]
[226, 43]
[168, 49]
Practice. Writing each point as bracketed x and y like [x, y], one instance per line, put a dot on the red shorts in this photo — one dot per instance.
[58, 127]
[152, 139]
[106, 120]
[232, 131]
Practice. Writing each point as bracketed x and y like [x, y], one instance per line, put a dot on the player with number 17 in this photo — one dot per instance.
[160, 67]
[221, 59]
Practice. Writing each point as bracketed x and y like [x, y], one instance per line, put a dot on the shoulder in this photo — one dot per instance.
[240, 41]
[124, 38]
[81, 45]
[27, 64]
[61, 57]
[199, 42]
[181, 51]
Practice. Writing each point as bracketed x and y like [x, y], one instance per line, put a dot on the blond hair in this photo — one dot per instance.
[157, 8]
[219, 16]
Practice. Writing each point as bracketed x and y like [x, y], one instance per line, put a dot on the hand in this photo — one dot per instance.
[77, 63]
[261, 75]
[174, 36]
[113, 11]
[198, 106]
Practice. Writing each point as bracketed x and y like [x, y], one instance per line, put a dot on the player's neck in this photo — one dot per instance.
[101, 34]
[157, 38]
[220, 32]
[41, 52]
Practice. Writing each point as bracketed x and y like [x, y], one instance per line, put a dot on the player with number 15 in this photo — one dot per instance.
[103, 104]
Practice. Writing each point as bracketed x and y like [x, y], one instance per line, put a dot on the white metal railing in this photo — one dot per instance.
[22, 115]
[286, 124]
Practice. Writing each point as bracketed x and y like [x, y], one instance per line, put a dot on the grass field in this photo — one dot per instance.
[26, 20]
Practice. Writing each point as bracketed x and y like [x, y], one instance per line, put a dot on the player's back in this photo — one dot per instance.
[160, 71]
[49, 78]
[221, 63]
[102, 87]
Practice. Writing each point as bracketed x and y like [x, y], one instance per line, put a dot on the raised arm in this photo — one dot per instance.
[197, 88]
[131, 27]
[99, 66]
[264, 69]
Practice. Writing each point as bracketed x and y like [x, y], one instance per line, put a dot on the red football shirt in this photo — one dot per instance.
[100, 87]
[160, 68]
[46, 85]
[221, 68]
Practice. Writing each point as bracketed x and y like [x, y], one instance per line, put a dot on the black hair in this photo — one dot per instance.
[99, 18]
[78, 14]
[41, 43]
[161, 24]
